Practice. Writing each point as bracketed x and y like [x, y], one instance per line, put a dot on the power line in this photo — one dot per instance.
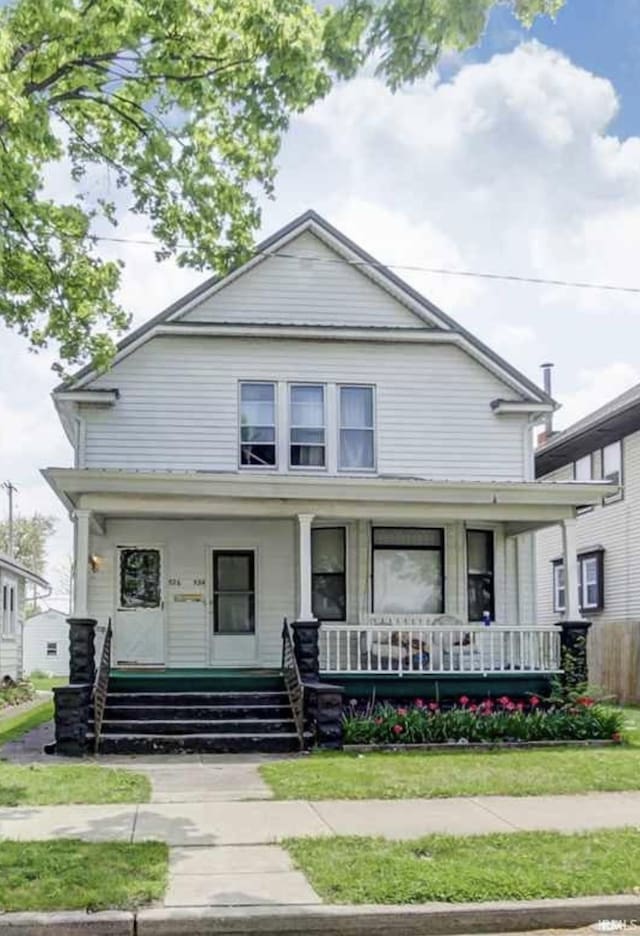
[438, 271]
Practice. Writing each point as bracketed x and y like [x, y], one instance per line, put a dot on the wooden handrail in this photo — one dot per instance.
[292, 681]
[101, 686]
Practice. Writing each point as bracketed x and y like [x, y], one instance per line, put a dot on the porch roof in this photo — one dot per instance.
[115, 492]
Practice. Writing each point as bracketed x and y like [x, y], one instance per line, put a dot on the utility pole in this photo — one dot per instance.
[11, 490]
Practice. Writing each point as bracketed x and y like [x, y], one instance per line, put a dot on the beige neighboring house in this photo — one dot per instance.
[605, 445]
[13, 579]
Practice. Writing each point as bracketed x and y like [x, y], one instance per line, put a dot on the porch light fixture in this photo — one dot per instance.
[95, 562]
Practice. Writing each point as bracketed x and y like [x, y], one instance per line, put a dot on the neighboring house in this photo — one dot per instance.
[45, 643]
[308, 438]
[13, 578]
[603, 445]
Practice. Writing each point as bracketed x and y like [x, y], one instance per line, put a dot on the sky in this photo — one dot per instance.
[521, 156]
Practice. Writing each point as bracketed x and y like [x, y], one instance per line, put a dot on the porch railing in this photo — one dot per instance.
[401, 647]
[101, 685]
[293, 681]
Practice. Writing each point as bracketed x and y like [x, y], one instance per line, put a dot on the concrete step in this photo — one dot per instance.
[190, 727]
[196, 698]
[196, 712]
[199, 743]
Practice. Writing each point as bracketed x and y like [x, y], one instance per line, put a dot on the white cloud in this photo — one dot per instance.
[595, 387]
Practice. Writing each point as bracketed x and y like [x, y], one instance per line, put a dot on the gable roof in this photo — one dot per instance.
[610, 422]
[20, 570]
[433, 317]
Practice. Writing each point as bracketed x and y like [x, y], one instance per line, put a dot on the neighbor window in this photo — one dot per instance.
[328, 573]
[356, 422]
[234, 592]
[480, 574]
[9, 608]
[583, 469]
[590, 582]
[258, 425]
[408, 570]
[52, 649]
[307, 426]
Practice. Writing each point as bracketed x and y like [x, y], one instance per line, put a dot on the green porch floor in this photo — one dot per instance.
[195, 680]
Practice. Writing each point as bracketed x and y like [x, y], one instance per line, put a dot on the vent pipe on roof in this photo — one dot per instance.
[548, 419]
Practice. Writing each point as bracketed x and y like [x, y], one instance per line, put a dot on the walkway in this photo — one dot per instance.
[226, 852]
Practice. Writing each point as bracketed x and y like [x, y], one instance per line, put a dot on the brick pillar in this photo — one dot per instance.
[82, 659]
[573, 652]
[326, 712]
[305, 644]
[72, 706]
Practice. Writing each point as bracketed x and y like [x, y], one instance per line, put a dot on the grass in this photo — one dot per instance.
[14, 726]
[36, 785]
[429, 774]
[48, 682]
[74, 875]
[505, 866]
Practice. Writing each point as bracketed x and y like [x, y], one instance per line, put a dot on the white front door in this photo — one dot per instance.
[139, 622]
[234, 607]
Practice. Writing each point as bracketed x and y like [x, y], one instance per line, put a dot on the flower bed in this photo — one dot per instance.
[489, 721]
[15, 693]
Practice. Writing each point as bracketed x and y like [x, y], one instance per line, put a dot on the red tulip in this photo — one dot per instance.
[397, 729]
[535, 701]
[419, 703]
[463, 700]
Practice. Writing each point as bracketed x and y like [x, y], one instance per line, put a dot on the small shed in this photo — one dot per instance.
[45, 644]
[13, 579]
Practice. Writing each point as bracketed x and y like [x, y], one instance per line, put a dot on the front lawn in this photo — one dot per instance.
[74, 875]
[39, 785]
[511, 866]
[14, 726]
[48, 682]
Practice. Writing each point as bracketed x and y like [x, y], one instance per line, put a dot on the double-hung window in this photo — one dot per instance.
[9, 607]
[356, 429]
[258, 425]
[307, 443]
[590, 582]
[408, 570]
[52, 649]
[480, 574]
[583, 469]
[612, 462]
[328, 573]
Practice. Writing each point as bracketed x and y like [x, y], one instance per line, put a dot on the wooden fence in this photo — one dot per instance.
[614, 658]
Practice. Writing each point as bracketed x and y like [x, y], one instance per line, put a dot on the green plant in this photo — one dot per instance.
[504, 720]
[13, 693]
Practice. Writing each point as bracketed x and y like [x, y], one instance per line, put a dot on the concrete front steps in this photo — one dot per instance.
[227, 721]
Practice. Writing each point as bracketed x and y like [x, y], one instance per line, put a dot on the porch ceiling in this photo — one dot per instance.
[171, 494]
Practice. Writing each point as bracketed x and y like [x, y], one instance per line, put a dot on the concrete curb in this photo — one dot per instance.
[435, 919]
[464, 747]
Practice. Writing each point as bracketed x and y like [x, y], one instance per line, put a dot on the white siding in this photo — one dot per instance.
[615, 527]
[11, 646]
[298, 292]
[178, 405]
[187, 547]
[39, 630]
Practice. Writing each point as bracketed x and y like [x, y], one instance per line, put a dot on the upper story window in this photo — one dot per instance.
[356, 428]
[583, 469]
[612, 462]
[258, 425]
[307, 443]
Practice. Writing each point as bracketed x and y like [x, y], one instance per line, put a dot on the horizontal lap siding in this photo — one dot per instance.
[178, 406]
[295, 292]
[187, 547]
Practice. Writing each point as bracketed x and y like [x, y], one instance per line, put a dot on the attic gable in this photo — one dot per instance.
[291, 288]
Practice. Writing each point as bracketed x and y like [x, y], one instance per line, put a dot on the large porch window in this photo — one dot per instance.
[234, 596]
[328, 574]
[408, 570]
[480, 588]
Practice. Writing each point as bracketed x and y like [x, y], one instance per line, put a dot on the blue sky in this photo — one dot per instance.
[602, 36]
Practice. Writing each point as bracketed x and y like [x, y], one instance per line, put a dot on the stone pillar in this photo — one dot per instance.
[306, 647]
[82, 659]
[305, 612]
[326, 713]
[573, 653]
[72, 706]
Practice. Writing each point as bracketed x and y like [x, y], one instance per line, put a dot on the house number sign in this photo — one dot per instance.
[176, 582]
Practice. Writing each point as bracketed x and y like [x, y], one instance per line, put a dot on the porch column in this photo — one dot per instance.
[304, 567]
[570, 559]
[81, 564]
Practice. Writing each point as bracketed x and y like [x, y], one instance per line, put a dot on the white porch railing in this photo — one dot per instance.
[400, 645]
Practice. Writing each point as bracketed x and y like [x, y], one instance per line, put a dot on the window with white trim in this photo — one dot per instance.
[408, 570]
[307, 431]
[9, 607]
[356, 444]
[258, 447]
[590, 582]
[583, 468]
[52, 648]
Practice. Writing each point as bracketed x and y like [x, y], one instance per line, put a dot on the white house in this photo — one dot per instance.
[13, 577]
[603, 445]
[45, 643]
[309, 438]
